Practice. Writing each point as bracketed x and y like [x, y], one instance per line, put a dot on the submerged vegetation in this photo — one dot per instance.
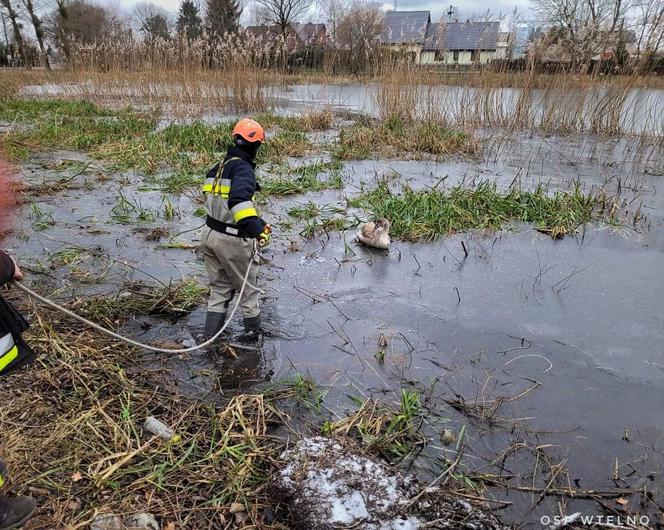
[428, 214]
[305, 178]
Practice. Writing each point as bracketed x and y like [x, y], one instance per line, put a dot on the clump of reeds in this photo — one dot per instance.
[396, 94]
[396, 138]
[428, 214]
[393, 432]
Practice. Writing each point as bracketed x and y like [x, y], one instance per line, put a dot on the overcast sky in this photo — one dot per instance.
[464, 9]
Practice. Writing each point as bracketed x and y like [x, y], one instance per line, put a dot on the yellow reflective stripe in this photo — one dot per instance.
[219, 189]
[8, 357]
[243, 214]
[243, 210]
[2, 480]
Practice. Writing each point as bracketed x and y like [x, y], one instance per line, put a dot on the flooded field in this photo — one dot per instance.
[545, 356]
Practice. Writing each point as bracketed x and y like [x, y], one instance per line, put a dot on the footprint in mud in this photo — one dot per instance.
[241, 366]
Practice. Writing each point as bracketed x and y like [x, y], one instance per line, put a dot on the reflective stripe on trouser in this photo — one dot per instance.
[226, 260]
[8, 351]
[3, 473]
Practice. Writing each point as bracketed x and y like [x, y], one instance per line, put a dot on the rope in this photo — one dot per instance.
[132, 342]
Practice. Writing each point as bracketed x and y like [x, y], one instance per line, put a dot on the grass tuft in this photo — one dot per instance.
[393, 432]
[139, 299]
[312, 121]
[395, 138]
[305, 178]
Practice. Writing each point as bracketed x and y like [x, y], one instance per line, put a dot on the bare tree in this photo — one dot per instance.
[650, 27]
[358, 34]
[284, 12]
[334, 11]
[39, 31]
[18, 38]
[587, 26]
[79, 21]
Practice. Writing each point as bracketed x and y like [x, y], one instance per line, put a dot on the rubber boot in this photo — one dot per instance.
[213, 323]
[252, 328]
[15, 511]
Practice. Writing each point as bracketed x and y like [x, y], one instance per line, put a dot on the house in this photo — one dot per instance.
[460, 43]
[269, 35]
[405, 32]
[451, 43]
[524, 35]
[505, 45]
[311, 35]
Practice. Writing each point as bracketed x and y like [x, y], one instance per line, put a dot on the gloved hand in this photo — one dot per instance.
[265, 236]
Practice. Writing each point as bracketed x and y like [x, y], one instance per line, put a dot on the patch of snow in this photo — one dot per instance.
[348, 509]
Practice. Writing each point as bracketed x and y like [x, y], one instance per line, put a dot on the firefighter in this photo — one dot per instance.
[233, 230]
[14, 353]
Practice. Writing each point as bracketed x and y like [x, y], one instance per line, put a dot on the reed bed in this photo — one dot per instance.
[516, 101]
[562, 105]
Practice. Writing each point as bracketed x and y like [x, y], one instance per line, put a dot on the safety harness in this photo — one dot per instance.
[222, 187]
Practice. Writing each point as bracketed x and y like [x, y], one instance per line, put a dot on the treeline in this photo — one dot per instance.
[612, 36]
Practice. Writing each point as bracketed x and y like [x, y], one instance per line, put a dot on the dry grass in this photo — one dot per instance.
[554, 103]
[72, 435]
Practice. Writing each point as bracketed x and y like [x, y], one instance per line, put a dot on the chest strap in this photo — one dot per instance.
[223, 228]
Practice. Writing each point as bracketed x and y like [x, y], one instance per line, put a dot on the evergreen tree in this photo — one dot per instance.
[156, 27]
[189, 21]
[223, 16]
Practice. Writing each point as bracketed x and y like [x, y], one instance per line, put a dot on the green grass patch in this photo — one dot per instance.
[305, 178]
[319, 218]
[312, 121]
[178, 157]
[428, 214]
[75, 125]
[21, 110]
[393, 432]
[396, 139]
[174, 158]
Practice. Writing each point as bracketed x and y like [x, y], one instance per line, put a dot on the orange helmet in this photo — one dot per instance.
[249, 130]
